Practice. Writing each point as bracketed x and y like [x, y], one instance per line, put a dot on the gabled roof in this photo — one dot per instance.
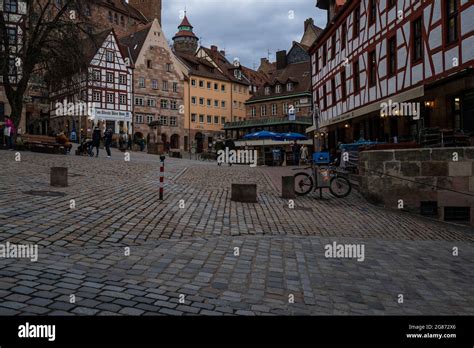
[135, 41]
[225, 66]
[123, 7]
[92, 44]
[256, 78]
[200, 67]
[298, 73]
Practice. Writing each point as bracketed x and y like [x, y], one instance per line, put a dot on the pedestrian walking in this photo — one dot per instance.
[296, 153]
[8, 132]
[304, 154]
[96, 136]
[108, 136]
[130, 142]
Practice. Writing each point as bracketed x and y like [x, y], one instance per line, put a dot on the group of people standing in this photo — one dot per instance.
[300, 153]
[96, 139]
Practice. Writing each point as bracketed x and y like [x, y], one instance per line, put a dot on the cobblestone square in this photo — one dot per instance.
[118, 250]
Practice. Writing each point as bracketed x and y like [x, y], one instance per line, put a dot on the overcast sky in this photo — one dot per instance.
[246, 29]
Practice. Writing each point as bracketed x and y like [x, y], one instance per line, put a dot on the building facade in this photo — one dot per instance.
[375, 53]
[208, 93]
[158, 86]
[281, 98]
[102, 96]
[101, 15]
[240, 84]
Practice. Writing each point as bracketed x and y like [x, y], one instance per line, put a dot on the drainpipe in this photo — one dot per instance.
[189, 118]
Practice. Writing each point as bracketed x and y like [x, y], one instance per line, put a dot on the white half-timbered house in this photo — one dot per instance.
[104, 97]
[375, 53]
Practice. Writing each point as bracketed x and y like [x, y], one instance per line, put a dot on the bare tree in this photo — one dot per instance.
[45, 42]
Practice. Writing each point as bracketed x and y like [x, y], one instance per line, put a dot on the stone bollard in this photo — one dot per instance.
[244, 193]
[288, 187]
[59, 177]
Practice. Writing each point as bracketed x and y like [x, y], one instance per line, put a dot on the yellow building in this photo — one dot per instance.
[214, 94]
[207, 104]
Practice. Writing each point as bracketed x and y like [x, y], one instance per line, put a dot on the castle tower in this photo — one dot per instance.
[185, 41]
[151, 9]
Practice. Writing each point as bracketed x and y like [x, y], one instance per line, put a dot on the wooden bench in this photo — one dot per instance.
[43, 144]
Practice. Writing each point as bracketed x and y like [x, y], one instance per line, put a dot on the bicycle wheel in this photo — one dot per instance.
[303, 184]
[340, 187]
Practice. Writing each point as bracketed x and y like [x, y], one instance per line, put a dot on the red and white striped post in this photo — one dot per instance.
[162, 177]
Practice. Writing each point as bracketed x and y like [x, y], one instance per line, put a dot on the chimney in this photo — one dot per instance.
[281, 59]
[214, 48]
[222, 52]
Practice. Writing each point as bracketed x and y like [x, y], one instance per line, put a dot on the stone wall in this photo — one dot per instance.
[410, 177]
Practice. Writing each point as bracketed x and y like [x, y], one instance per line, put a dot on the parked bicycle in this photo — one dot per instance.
[207, 157]
[328, 176]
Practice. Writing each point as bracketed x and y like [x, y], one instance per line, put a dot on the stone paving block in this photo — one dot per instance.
[131, 311]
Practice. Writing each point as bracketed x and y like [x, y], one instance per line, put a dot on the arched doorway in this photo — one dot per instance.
[199, 142]
[175, 141]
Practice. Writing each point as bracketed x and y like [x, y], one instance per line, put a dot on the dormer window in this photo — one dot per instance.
[289, 86]
[238, 74]
[278, 89]
[267, 90]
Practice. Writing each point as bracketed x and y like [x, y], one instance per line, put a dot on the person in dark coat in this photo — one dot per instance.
[96, 136]
[108, 136]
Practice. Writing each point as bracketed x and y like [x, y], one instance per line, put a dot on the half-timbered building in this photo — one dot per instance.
[103, 92]
[375, 53]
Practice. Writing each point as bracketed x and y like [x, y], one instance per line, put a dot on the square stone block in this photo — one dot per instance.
[411, 169]
[288, 187]
[244, 193]
[392, 168]
[434, 168]
[460, 169]
[59, 177]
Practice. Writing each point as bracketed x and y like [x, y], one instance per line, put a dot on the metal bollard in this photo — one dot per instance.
[162, 177]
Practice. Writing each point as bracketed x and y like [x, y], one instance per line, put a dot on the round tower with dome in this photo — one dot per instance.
[185, 41]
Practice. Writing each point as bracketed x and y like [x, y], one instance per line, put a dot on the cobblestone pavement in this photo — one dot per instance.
[184, 248]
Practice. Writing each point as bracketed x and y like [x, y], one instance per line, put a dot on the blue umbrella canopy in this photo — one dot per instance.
[260, 135]
[290, 136]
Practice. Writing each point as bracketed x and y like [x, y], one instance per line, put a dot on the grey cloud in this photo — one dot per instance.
[246, 29]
